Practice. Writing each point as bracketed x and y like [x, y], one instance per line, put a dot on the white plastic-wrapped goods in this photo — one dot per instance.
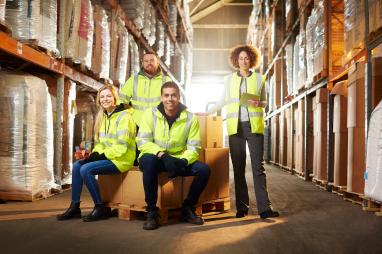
[136, 10]
[160, 41]
[48, 38]
[289, 67]
[296, 66]
[24, 16]
[302, 58]
[310, 37]
[26, 151]
[173, 17]
[2, 10]
[134, 51]
[101, 54]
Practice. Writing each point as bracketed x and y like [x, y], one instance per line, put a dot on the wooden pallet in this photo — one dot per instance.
[139, 213]
[355, 198]
[323, 74]
[370, 205]
[26, 195]
[34, 43]
[338, 189]
[322, 184]
[218, 205]
[298, 174]
[375, 34]
[5, 27]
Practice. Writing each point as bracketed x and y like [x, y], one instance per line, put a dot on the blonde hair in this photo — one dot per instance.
[97, 122]
[252, 52]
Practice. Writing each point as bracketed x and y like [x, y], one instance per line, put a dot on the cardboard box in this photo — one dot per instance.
[356, 164]
[376, 63]
[321, 156]
[356, 96]
[218, 185]
[283, 139]
[322, 95]
[275, 137]
[211, 131]
[289, 137]
[340, 158]
[127, 189]
[339, 114]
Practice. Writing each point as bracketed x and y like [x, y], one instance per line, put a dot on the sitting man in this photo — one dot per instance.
[169, 140]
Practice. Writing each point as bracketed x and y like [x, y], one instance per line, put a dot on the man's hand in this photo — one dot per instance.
[95, 157]
[173, 165]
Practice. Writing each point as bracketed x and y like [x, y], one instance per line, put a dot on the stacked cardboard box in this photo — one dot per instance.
[356, 128]
[275, 139]
[216, 157]
[289, 134]
[320, 134]
[283, 139]
[340, 134]
[300, 132]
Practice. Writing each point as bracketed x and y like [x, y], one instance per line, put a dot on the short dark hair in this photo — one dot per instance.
[252, 52]
[170, 84]
[149, 53]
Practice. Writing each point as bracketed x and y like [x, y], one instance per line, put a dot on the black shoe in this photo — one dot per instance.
[189, 215]
[73, 212]
[241, 214]
[100, 212]
[269, 214]
[152, 220]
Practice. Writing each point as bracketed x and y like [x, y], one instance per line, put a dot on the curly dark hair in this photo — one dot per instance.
[252, 51]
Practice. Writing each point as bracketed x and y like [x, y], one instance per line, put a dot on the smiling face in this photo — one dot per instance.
[170, 99]
[244, 61]
[150, 64]
[106, 99]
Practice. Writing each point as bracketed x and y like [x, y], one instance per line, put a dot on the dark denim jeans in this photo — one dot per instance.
[151, 165]
[85, 173]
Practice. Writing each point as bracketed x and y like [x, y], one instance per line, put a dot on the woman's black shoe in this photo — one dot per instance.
[241, 214]
[73, 212]
[269, 214]
[100, 212]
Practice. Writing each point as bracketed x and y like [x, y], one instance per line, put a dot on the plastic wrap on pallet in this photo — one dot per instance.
[134, 52]
[148, 30]
[310, 37]
[289, 67]
[375, 15]
[26, 153]
[153, 27]
[122, 56]
[160, 38]
[296, 66]
[101, 50]
[288, 5]
[24, 16]
[354, 26]
[118, 33]
[49, 25]
[135, 9]
[173, 17]
[319, 39]
[168, 50]
[72, 111]
[79, 31]
[302, 57]
[2, 10]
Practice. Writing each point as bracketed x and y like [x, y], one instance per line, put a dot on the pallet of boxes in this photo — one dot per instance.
[125, 191]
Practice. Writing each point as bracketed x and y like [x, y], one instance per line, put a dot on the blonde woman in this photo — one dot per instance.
[113, 153]
[245, 99]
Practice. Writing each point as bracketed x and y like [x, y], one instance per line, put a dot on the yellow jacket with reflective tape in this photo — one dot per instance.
[181, 141]
[255, 84]
[143, 92]
[116, 139]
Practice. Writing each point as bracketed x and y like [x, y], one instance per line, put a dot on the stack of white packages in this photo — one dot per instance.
[26, 153]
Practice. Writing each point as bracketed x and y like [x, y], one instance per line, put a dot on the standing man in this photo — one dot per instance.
[142, 91]
[169, 140]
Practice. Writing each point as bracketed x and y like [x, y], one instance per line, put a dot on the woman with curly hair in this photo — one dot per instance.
[245, 99]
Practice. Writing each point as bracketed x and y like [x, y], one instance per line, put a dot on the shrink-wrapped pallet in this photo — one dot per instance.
[2, 10]
[319, 40]
[310, 38]
[296, 65]
[301, 76]
[289, 67]
[160, 38]
[101, 50]
[24, 16]
[354, 24]
[149, 28]
[26, 151]
[134, 53]
[136, 10]
[173, 17]
[48, 38]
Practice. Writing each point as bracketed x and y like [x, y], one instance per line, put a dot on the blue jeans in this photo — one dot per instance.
[85, 173]
[151, 166]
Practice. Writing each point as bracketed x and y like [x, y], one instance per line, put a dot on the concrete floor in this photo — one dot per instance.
[312, 221]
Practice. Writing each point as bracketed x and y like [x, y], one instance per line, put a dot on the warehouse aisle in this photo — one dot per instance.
[312, 221]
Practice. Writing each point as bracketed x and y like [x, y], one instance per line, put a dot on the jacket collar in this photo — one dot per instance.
[119, 108]
[181, 108]
[158, 74]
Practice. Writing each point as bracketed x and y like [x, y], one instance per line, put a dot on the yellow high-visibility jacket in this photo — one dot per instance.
[181, 141]
[142, 92]
[116, 139]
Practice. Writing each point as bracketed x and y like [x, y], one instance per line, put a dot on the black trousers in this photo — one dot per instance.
[237, 145]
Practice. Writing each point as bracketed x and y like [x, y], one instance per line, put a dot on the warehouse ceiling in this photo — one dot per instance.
[218, 26]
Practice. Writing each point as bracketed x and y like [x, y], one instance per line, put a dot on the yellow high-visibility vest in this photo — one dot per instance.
[255, 84]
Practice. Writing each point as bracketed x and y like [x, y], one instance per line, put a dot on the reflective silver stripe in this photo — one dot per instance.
[141, 142]
[192, 148]
[120, 118]
[232, 115]
[145, 135]
[160, 143]
[139, 107]
[194, 143]
[121, 142]
[233, 100]
[188, 125]
[255, 114]
[122, 133]
[259, 83]
[135, 85]
[147, 100]
[106, 135]
[124, 97]
[154, 119]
